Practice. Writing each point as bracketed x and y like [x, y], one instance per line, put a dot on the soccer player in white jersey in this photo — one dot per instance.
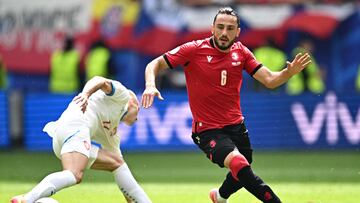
[93, 115]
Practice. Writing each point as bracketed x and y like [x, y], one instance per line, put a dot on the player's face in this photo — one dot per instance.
[225, 30]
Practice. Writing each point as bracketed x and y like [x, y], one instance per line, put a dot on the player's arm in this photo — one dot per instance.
[152, 70]
[274, 79]
[93, 85]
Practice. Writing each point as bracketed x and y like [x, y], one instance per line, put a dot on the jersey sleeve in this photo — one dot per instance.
[119, 92]
[181, 55]
[251, 64]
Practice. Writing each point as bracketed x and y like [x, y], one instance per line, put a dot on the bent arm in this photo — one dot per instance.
[273, 79]
[92, 86]
[153, 69]
[96, 83]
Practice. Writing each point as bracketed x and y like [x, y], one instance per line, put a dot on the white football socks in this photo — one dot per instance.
[60, 180]
[50, 185]
[128, 185]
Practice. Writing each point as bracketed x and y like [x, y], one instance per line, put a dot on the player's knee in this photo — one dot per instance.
[237, 163]
[78, 176]
[116, 162]
[229, 157]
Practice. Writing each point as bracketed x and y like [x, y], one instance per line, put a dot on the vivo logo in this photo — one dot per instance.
[171, 125]
[151, 125]
[331, 113]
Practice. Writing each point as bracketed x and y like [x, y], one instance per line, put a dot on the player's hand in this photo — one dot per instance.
[298, 64]
[148, 96]
[81, 100]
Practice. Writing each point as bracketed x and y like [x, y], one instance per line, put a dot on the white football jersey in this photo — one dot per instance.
[102, 116]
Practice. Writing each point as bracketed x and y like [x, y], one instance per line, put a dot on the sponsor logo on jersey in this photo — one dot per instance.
[237, 63]
[209, 58]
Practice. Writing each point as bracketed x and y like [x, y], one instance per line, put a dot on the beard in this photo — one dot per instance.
[221, 47]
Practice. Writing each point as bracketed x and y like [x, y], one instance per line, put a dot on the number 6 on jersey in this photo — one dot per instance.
[223, 77]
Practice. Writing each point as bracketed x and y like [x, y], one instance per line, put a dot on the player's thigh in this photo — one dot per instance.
[75, 146]
[74, 161]
[215, 144]
[107, 160]
[241, 138]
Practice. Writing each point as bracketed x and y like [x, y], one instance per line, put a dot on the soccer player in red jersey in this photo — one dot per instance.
[213, 69]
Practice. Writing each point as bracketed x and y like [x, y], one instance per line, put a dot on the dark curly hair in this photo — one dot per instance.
[228, 11]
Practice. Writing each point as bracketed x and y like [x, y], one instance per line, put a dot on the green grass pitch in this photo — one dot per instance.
[297, 177]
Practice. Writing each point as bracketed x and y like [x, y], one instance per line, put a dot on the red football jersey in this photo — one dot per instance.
[213, 80]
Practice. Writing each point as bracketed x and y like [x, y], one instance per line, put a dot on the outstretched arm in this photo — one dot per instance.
[151, 71]
[274, 79]
[93, 85]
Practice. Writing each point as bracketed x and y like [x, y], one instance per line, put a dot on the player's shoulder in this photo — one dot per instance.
[117, 85]
[240, 47]
[201, 43]
[119, 91]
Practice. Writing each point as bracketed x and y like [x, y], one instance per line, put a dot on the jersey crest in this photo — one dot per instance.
[235, 56]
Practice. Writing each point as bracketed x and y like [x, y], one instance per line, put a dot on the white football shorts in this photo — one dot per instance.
[73, 138]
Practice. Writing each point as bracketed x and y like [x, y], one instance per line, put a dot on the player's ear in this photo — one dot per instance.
[238, 32]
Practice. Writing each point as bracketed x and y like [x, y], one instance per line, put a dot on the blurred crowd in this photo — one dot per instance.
[68, 73]
[70, 66]
[207, 2]
[65, 74]
[312, 79]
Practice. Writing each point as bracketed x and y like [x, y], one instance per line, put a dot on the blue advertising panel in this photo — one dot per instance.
[40, 108]
[307, 121]
[4, 124]
[274, 121]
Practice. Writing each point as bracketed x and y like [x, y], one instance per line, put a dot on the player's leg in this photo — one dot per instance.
[72, 146]
[210, 142]
[220, 149]
[73, 166]
[241, 171]
[239, 135]
[73, 163]
[239, 162]
[113, 162]
[231, 185]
